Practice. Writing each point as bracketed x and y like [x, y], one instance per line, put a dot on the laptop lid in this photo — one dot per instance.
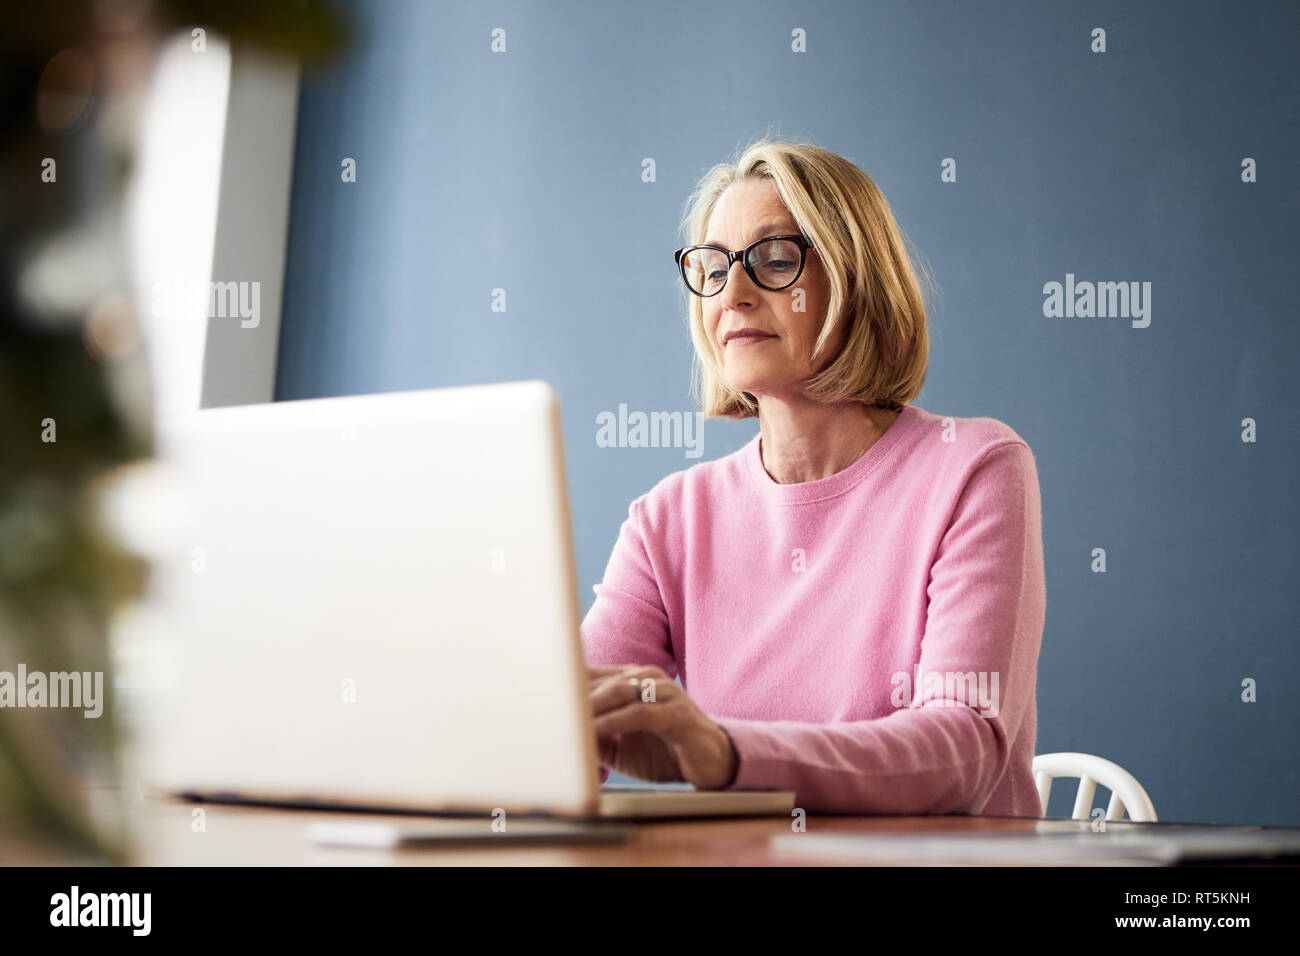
[374, 603]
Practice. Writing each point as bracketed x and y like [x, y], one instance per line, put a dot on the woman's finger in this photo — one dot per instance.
[615, 690]
[605, 670]
[630, 717]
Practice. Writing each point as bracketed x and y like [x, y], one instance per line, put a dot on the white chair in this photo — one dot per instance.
[1125, 791]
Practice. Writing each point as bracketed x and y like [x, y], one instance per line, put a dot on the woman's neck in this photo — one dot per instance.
[805, 441]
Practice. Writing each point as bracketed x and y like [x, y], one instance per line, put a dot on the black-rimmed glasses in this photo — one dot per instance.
[773, 262]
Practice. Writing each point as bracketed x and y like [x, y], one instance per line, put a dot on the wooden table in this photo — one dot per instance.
[246, 835]
[234, 835]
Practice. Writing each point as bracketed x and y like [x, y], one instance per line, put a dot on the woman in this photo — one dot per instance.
[854, 600]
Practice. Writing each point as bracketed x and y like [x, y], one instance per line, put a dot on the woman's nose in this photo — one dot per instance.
[739, 288]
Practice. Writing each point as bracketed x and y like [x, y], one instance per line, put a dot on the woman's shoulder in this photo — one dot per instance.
[971, 437]
[946, 452]
[971, 462]
[695, 484]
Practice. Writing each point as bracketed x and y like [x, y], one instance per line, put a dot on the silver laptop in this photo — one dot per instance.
[374, 604]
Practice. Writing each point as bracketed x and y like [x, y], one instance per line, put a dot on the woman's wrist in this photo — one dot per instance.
[726, 762]
[733, 759]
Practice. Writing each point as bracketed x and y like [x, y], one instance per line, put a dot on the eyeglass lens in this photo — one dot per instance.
[775, 263]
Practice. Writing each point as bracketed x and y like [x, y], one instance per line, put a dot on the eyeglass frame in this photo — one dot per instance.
[740, 256]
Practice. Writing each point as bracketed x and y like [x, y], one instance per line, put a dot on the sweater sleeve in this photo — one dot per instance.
[986, 604]
[627, 623]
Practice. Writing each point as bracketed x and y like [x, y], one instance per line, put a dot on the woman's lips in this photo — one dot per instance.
[749, 338]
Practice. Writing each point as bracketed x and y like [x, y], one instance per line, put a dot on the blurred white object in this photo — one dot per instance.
[1125, 791]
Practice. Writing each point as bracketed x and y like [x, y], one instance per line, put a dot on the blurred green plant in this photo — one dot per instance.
[62, 358]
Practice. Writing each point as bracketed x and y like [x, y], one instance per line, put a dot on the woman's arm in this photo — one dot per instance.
[627, 623]
[985, 614]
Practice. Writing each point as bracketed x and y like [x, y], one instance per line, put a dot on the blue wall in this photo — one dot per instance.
[522, 170]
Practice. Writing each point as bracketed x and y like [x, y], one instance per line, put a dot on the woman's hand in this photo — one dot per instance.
[646, 727]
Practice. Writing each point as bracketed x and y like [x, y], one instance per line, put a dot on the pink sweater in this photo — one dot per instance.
[869, 640]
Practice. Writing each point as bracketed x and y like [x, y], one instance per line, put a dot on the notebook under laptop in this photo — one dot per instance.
[374, 604]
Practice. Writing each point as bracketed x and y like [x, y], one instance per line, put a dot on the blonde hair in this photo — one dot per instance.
[873, 283]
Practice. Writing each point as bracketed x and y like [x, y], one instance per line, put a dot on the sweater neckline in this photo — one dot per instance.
[805, 492]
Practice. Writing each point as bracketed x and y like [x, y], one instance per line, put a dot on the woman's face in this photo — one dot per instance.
[779, 360]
